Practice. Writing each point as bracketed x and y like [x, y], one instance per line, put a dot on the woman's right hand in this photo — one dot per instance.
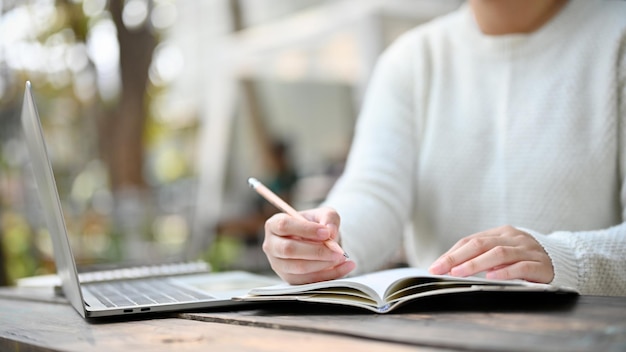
[295, 247]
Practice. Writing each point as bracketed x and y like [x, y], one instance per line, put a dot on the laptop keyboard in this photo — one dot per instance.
[142, 292]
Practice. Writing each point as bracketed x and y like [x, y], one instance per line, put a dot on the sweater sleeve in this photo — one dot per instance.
[594, 262]
[374, 193]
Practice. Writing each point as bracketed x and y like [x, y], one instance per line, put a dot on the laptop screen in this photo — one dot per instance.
[51, 205]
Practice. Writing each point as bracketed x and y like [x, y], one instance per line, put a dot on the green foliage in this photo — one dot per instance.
[17, 241]
[224, 252]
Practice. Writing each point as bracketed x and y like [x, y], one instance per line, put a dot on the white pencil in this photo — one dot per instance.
[283, 206]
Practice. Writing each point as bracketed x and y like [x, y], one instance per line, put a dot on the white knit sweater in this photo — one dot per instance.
[462, 132]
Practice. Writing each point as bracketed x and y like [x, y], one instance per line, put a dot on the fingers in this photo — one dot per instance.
[335, 272]
[527, 270]
[299, 261]
[465, 240]
[496, 256]
[301, 266]
[325, 216]
[296, 250]
[469, 248]
[286, 247]
[284, 225]
[505, 253]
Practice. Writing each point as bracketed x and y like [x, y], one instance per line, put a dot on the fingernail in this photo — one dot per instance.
[323, 234]
[436, 268]
[339, 258]
[460, 270]
[457, 271]
[492, 275]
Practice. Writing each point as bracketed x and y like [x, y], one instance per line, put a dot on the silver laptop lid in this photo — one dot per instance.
[51, 205]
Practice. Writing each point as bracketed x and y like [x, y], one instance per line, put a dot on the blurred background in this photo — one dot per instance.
[155, 113]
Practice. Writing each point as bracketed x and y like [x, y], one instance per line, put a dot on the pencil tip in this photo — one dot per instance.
[253, 182]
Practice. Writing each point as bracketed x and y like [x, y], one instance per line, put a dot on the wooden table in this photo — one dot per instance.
[35, 320]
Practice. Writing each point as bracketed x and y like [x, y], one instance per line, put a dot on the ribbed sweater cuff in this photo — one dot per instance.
[561, 252]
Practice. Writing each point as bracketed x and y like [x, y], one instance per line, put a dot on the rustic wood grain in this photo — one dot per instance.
[27, 325]
[586, 324]
[36, 320]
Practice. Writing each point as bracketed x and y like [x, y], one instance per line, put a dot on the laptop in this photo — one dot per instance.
[114, 295]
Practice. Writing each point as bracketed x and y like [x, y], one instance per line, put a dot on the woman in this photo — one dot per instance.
[503, 112]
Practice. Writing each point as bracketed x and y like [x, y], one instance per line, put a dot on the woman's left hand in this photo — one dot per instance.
[504, 253]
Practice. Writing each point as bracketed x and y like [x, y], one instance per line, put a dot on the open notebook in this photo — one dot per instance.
[126, 292]
[386, 290]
